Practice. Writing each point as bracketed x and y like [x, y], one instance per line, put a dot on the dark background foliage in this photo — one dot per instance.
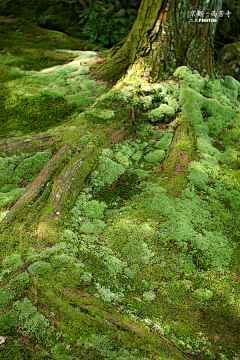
[104, 22]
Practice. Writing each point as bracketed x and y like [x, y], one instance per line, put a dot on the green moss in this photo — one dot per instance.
[134, 262]
[13, 289]
[25, 116]
[52, 95]
[232, 84]
[7, 322]
[155, 156]
[17, 172]
[163, 111]
[121, 189]
[107, 172]
[203, 294]
[30, 319]
[94, 209]
[122, 159]
[103, 114]
[11, 196]
[165, 142]
[12, 262]
[158, 134]
[40, 268]
[32, 47]
[137, 156]
[31, 166]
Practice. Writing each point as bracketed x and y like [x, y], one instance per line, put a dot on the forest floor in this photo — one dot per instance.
[119, 208]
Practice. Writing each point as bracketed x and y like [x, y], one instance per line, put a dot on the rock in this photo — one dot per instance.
[229, 60]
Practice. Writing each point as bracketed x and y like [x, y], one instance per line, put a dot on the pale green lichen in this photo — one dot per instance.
[154, 248]
[125, 149]
[18, 169]
[108, 152]
[92, 227]
[149, 295]
[29, 167]
[12, 262]
[158, 134]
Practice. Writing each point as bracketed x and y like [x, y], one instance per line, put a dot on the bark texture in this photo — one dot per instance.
[164, 36]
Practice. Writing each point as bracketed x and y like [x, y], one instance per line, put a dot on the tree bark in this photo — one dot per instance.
[60, 179]
[165, 36]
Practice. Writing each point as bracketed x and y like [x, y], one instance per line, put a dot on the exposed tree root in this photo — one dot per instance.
[36, 186]
[31, 143]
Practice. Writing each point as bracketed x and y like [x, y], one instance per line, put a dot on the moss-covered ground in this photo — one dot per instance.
[130, 249]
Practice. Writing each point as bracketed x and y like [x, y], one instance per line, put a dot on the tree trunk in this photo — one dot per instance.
[165, 36]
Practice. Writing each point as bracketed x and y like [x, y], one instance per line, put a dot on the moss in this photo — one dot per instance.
[17, 172]
[94, 209]
[36, 50]
[26, 116]
[51, 96]
[203, 294]
[40, 268]
[153, 244]
[232, 84]
[31, 166]
[122, 159]
[13, 289]
[155, 156]
[12, 262]
[103, 114]
[121, 189]
[11, 196]
[29, 319]
[165, 142]
[163, 111]
[107, 172]
[158, 134]
[137, 156]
